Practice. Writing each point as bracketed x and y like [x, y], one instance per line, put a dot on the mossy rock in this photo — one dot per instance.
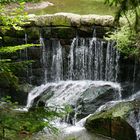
[115, 127]
[58, 32]
[97, 20]
[12, 41]
[69, 19]
[65, 25]
[120, 110]
[63, 32]
[51, 20]
[32, 33]
[15, 33]
[60, 20]
[113, 122]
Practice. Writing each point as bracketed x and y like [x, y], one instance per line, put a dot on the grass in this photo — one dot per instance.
[78, 7]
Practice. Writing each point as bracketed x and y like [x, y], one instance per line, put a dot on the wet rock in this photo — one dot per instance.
[21, 94]
[63, 32]
[11, 41]
[117, 122]
[84, 101]
[32, 33]
[114, 127]
[88, 103]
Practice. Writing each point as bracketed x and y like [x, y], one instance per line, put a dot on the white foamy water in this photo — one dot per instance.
[68, 92]
[77, 131]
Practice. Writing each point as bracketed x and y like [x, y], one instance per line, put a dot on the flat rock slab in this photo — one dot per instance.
[70, 19]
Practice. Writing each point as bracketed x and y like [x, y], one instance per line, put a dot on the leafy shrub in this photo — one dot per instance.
[14, 123]
[126, 37]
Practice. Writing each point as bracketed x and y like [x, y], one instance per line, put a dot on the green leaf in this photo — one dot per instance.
[11, 49]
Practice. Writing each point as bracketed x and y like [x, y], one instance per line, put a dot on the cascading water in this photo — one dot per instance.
[57, 63]
[69, 92]
[87, 58]
[43, 58]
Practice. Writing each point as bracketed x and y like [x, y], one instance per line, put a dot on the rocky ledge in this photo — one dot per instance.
[63, 25]
[69, 19]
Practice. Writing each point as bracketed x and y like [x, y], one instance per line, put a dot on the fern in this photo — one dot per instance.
[11, 49]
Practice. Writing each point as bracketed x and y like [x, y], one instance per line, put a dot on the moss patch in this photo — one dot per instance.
[120, 110]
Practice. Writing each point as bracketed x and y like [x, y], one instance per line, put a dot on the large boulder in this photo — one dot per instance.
[117, 122]
[84, 96]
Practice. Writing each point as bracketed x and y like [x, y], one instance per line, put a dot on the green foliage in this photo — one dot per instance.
[127, 36]
[15, 123]
[7, 78]
[126, 40]
[8, 68]
[11, 49]
[124, 6]
[14, 19]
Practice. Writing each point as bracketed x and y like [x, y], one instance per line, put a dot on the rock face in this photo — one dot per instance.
[61, 25]
[114, 122]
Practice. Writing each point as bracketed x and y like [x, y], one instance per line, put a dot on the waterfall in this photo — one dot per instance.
[112, 57]
[87, 58]
[57, 62]
[43, 58]
[82, 74]
[83, 67]
[71, 57]
[35, 93]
